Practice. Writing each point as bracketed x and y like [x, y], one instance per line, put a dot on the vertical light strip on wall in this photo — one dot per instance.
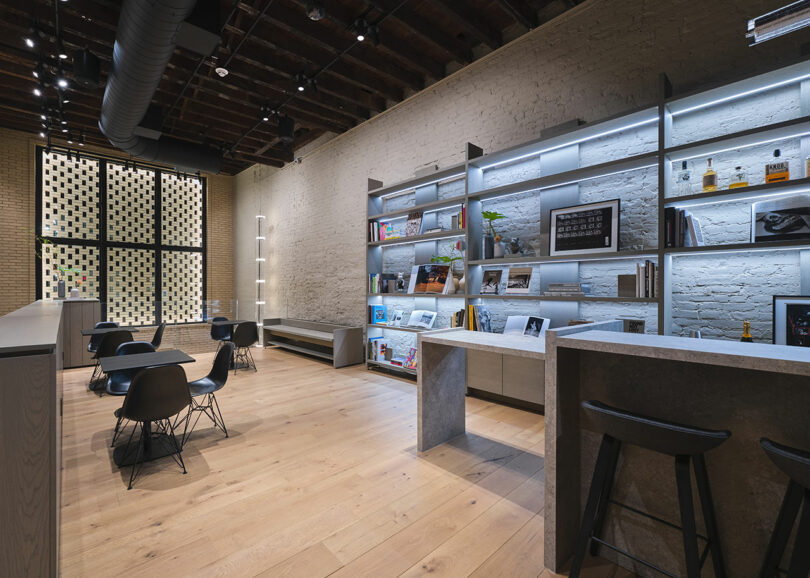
[260, 281]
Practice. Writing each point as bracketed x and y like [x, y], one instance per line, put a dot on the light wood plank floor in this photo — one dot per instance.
[320, 477]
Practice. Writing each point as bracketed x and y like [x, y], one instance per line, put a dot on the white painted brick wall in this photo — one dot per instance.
[597, 60]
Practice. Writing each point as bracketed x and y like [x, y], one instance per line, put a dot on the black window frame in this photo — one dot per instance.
[102, 243]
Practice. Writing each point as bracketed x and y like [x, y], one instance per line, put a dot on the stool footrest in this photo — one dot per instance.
[652, 517]
[650, 565]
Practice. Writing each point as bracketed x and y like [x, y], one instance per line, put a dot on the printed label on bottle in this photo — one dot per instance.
[775, 172]
[709, 181]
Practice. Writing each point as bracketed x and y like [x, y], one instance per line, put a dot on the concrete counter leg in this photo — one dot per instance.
[442, 386]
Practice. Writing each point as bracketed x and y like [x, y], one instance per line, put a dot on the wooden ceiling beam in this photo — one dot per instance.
[464, 12]
[522, 13]
[451, 47]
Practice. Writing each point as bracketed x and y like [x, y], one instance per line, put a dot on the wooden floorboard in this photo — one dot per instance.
[319, 477]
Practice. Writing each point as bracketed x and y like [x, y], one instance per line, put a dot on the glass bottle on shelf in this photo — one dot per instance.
[738, 179]
[746, 335]
[684, 180]
[777, 170]
[709, 178]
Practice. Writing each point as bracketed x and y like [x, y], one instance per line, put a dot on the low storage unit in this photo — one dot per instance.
[341, 344]
[507, 376]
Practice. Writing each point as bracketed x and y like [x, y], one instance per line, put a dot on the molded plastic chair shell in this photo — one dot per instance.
[95, 340]
[118, 382]
[110, 342]
[651, 433]
[795, 463]
[156, 393]
[158, 338]
[218, 375]
[246, 334]
[220, 332]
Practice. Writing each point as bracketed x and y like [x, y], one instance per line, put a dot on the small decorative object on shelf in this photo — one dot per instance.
[709, 178]
[519, 280]
[401, 283]
[491, 235]
[777, 170]
[685, 179]
[746, 334]
[791, 320]
[591, 228]
[781, 219]
[516, 246]
[739, 179]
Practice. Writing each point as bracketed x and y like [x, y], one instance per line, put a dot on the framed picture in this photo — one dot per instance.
[491, 282]
[591, 228]
[518, 281]
[791, 320]
[783, 219]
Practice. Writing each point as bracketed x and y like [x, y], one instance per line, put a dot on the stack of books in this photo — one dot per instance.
[681, 229]
[646, 279]
[568, 290]
[380, 231]
[474, 318]
[459, 220]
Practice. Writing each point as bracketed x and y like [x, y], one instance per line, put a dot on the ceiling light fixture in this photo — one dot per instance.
[360, 28]
[266, 112]
[301, 81]
[315, 10]
[81, 138]
[779, 22]
[61, 81]
[60, 48]
[38, 91]
[70, 137]
[41, 134]
[221, 71]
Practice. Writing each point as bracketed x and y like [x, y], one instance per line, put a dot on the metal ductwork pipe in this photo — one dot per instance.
[144, 43]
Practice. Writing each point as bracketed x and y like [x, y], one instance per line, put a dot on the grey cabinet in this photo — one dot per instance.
[520, 378]
[77, 315]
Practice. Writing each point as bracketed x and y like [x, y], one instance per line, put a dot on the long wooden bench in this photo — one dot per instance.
[340, 344]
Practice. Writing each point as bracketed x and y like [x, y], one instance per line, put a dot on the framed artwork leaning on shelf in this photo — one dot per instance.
[591, 228]
[791, 320]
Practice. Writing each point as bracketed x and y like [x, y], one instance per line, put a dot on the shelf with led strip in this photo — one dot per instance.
[795, 245]
[397, 328]
[455, 172]
[447, 234]
[753, 193]
[440, 205]
[419, 295]
[569, 298]
[389, 365]
[535, 260]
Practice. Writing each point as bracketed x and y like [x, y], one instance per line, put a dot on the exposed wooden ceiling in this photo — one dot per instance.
[265, 45]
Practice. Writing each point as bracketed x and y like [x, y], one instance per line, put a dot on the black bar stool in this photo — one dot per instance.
[796, 464]
[683, 442]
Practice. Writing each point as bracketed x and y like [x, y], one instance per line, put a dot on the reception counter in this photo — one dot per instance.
[753, 390]
[30, 439]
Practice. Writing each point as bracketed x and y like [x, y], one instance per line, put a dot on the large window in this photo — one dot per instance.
[131, 236]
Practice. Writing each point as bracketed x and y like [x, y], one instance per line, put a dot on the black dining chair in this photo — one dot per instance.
[156, 395]
[158, 337]
[244, 337]
[95, 341]
[118, 382]
[107, 348]
[204, 389]
[220, 333]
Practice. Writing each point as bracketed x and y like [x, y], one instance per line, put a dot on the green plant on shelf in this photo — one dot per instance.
[490, 217]
[455, 254]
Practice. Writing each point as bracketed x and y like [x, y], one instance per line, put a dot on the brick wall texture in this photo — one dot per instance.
[599, 59]
[17, 215]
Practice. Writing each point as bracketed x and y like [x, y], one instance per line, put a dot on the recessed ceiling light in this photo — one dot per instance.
[37, 92]
[62, 82]
[315, 10]
[223, 72]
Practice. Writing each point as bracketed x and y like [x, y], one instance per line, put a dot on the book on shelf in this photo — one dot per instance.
[491, 283]
[422, 318]
[526, 325]
[646, 279]
[681, 229]
[473, 318]
[568, 290]
[377, 346]
[413, 226]
[396, 318]
[398, 361]
[434, 230]
[411, 359]
[431, 279]
[377, 314]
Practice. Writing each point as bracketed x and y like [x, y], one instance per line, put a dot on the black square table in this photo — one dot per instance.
[151, 450]
[228, 322]
[103, 330]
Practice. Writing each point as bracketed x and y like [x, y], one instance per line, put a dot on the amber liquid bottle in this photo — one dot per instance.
[746, 336]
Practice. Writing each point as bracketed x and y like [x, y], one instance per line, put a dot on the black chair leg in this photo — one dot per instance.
[800, 559]
[215, 406]
[136, 466]
[706, 503]
[688, 525]
[178, 455]
[604, 498]
[252, 363]
[600, 475]
[781, 531]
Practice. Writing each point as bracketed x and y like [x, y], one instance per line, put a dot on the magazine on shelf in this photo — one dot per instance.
[491, 283]
[413, 226]
[526, 325]
[519, 280]
[431, 279]
[396, 318]
[422, 318]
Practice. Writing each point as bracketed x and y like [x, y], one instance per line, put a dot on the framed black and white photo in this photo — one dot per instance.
[591, 228]
[519, 280]
[785, 219]
[791, 320]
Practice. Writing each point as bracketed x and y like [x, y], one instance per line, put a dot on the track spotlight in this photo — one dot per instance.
[81, 138]
[60, 48]
[360, 28]
[61, 81]
[373, 34]
[33, 36]
[267, 112]
[38, 70]
[301, 81]
[70, 137]
[42, 134]
[38, 91]
[315, 10]
[63, 94]
[64, 129]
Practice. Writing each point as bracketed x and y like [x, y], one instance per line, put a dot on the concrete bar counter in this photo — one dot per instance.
[753, 390]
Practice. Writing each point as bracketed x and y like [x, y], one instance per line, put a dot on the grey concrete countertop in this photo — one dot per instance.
[33, 328]
[517, 345]
[755, 356]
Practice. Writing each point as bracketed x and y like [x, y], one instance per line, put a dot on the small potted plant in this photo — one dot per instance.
[454, 255]
[492, 240]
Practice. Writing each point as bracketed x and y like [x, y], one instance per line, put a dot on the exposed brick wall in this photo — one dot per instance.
[597, 60]
[17, 215]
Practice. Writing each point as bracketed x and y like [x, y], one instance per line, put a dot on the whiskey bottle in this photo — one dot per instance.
[684, 180]
[738, 179]
[709, 178]
[746, 336]
[777, 170]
